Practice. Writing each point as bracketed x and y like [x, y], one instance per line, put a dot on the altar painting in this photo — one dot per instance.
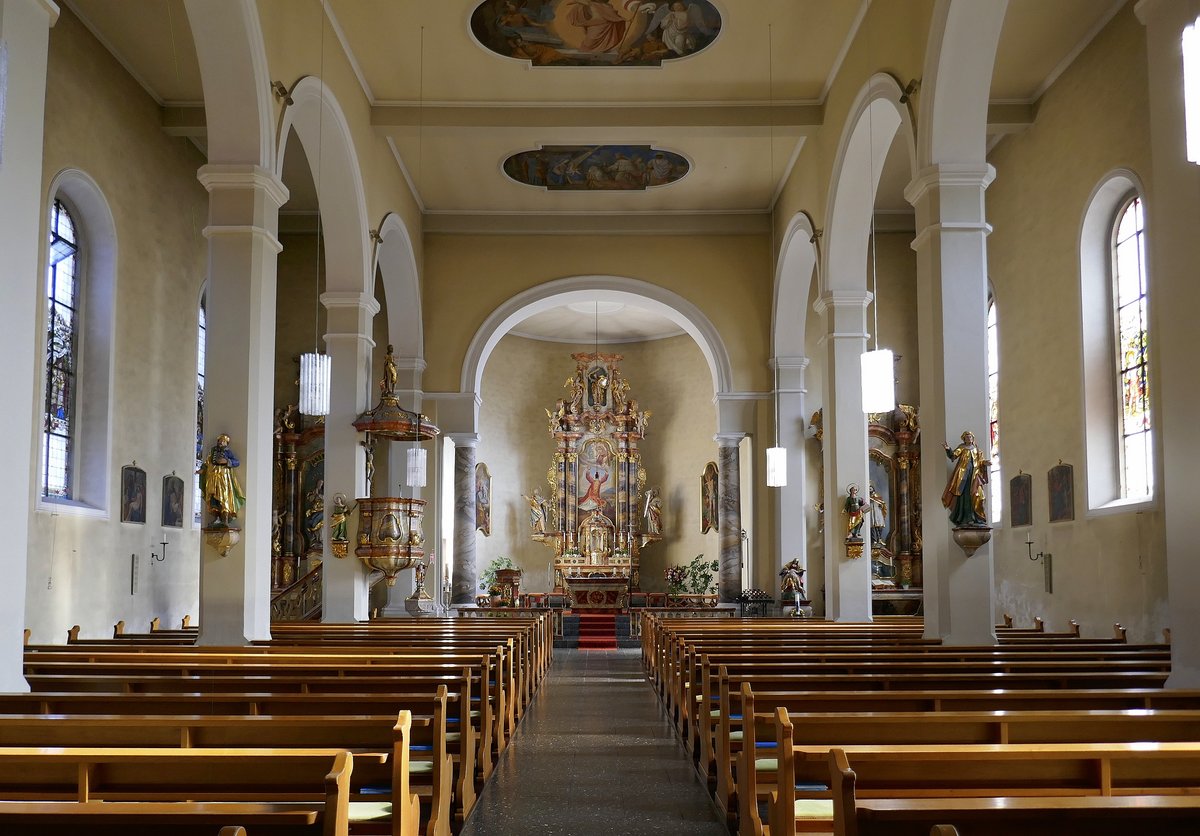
[585, 168]
[595, 479]
[595, 33]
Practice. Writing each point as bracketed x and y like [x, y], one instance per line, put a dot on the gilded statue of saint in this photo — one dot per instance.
[389, 373]
[854, 513]
[222, 492]
[964, 495]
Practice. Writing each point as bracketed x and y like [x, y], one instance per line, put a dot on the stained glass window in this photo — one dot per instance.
[1131, 322]
[197, 494]
[62, 339]
[993, 362]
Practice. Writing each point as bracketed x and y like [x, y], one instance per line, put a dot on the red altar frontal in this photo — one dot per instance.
[598, 593]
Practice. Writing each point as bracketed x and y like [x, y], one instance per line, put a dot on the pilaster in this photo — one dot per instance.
[244, 202]
[466, 573]
[790, 501]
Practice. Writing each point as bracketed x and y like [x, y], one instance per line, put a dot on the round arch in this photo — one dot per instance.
[605, 289]
[397, 263]
[237, 87]
[874, 121]
[795, 269]
[322, 129]
[959, 59]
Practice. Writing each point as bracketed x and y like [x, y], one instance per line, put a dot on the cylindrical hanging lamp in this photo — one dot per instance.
[776, 467]
[314, 384]
[878, 383]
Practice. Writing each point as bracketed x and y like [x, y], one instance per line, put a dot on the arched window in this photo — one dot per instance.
[62, 357]
[993, 361]
[1131, 318]
[202, 335]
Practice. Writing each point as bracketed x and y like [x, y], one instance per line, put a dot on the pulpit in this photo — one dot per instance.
[599, 514]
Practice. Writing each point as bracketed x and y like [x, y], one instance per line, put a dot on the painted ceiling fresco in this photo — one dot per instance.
[595, 33]
[596, 167]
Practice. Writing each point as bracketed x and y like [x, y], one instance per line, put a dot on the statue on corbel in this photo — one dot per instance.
[223, 495]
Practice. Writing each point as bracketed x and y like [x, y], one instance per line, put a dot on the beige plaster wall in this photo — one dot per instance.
[298, 287]
[523, 377]
[1093, 120]
[467, 277]
[99, 120]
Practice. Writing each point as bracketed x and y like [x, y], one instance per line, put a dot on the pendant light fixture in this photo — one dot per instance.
[416, 460]
[315, 367]
[878, 371]
[777, 455]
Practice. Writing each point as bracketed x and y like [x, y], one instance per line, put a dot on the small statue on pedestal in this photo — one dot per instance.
[792, 585]
[854, 512]
[221, 489]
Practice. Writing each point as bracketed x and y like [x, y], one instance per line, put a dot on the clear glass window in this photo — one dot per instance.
[62, 341]
[202, 334]
[993, 361]
[1131, 323]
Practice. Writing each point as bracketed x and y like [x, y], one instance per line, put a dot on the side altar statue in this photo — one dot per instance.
[598, 515]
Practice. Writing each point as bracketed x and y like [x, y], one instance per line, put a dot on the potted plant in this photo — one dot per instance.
[499, 576]
[700, 574]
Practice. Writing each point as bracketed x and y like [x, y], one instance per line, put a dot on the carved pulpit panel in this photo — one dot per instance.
[596, 514]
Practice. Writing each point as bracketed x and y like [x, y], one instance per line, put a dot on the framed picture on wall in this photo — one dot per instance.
[172, 502]
[483, 499]
[1061, 482]
[709, 499]
[133, 494]
[1020, 499]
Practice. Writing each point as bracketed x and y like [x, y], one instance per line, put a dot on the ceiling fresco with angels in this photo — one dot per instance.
[596, 167]
[595, 33]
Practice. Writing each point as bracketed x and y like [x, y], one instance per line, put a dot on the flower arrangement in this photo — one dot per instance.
[488, 579]
[676, 577]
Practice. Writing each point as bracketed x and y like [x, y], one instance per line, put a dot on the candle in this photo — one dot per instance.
[1029, 538]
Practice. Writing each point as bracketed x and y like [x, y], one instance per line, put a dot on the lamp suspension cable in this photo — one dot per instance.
[315, 367]
[878, 373]
[777, 455]
[416, 459]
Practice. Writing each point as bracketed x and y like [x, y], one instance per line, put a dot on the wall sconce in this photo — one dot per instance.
[154, 557]
[1047, 561]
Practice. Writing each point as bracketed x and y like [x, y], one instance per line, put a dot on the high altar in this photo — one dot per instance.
[598, 516]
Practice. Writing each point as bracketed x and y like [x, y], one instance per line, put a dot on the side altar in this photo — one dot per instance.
[599, 514]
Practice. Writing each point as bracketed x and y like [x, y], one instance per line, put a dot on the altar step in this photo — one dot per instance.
[596, 631]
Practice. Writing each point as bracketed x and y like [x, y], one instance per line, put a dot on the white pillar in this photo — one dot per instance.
[951, 247]
[466, 572]
[791, 502]
[729, 514]
[847, 580]
[24, 34]
[349, 343]
[243, 222]
[1173, 216]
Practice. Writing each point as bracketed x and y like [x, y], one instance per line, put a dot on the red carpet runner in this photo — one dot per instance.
[597, 631]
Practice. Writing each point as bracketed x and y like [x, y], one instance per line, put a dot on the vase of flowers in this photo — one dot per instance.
[676, 578]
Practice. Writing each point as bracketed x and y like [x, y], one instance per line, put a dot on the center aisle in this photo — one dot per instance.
[594, 755]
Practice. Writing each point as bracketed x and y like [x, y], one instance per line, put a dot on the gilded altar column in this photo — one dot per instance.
[466, 573]
[729, 512]
[235, 587]
[25, 28]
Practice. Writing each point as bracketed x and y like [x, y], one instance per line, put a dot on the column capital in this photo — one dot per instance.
[464, 439]
[410, 364]
[947, 175]
[1145, 9]
[782, 363]
[362, 301]
[217, 177]
[729, 439]
[836, 299]
[52, 10]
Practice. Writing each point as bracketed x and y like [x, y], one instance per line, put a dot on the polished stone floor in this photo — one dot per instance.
[594, 755]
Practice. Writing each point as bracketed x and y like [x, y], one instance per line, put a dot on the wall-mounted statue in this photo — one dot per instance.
[854, 507]
[964, 495]
[539, 511]
[222, 493]
[653, 514]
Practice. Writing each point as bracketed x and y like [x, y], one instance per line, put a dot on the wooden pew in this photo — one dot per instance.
[756, 778]
[1094, 789]
[136, 791]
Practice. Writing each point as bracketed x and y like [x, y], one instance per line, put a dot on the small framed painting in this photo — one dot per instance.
[1061, 481]
[1020, 499]
[133, 494]
[709, 499]
[172, 502]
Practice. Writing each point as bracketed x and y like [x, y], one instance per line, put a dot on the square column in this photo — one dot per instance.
[1173, 212]
[847, 580]
[244, 201]
[349, 343]
[791, 501]
[951, 248]
[25, 30]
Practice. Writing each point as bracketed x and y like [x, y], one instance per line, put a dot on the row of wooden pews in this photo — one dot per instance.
[809, 726]
[415, 711]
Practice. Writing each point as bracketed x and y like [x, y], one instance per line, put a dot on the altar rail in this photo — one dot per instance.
[556, 615]
[640, 613]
